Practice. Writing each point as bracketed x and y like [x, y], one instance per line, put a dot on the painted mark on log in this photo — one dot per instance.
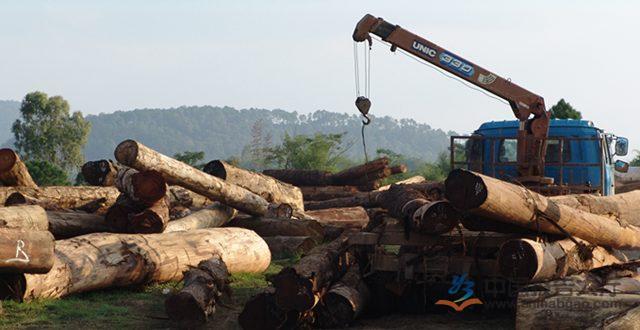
[21, 256]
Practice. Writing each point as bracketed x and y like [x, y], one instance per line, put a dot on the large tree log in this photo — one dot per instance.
[100, 172]
[625, 207]
[70, 224]
[179, 196]
[262, 313]
[128, 216]
[146, 187]
[349, 217]
[412, 180]
[27, 217]
[503, 201]
[328, 192]
[280, 227]
[288, 246]
[629, 319]
[13, 172]
[525, 260]
[203, 288]
[375, 169]
[344, 302]
[267, 187]
[301, 177]
[215, 215]
[140, 157]
[298, 288]
[398, 169]
[98, 261]
[59, 198]
[25, 251]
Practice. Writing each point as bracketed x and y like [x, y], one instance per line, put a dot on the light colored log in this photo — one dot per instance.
[215, 215]
[411, 180]
[27, 217]
[13, 172]
[62, 197]
[624, 207]
[25, 251]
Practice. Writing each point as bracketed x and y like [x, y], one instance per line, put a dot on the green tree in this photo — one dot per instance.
[47, 174]
[636, 160]
[318, 152]
[47, 131]
[193, 158]
[564, 110]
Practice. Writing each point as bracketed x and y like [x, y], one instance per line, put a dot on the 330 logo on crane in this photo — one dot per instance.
[456, 64]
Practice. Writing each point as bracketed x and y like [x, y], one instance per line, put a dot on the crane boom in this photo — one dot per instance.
[527, 106]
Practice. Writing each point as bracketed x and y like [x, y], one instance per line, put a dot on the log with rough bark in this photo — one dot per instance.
[204, 286]
[262, 312]
[299, 287]
[346, 217]
[27, 217]
[75, 223]
[99, 261]
[525, 260]
[13, 172]
[288, 246]
[624, 206]
[25, 251]
[142, 158]
[398, 169]
[215, 215]
[280, 227]
[328, 192]
[179, 196]
[375, 169]
[145, 187]
[301, 178]
[119, 214]
[503, 201]
[267, 187]
[98, 199]
[100, 172]
[344, 302]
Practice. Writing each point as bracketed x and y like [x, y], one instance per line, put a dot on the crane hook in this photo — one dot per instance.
[364, 104]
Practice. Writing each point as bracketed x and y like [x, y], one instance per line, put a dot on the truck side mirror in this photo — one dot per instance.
[622, 146]
[621, 166]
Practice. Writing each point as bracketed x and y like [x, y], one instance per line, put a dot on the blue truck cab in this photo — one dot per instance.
[579, 156]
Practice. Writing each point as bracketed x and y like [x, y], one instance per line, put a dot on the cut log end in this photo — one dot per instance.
[293, 292]
[216, 168]
[518, 260]
[150, 186]
[15, 199]
[437, 217]
[184, 306]
[127, 152]
[8, 159]
[465, 190]
[146, 222]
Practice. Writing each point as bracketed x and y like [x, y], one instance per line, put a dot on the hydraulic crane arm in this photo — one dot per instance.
[528, 107]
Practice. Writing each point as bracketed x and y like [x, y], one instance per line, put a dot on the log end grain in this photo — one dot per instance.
[149, 186]
[183, 306]
[437, 217]
[127, 152]
[465, 190]
[147, 222]
[8, 159]
[518, 260]
[293, 292]
[216, 168]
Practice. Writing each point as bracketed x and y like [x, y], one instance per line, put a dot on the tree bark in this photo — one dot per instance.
[151, 220]
[99, 261]
[13, 172]
[344, 302]
[100, 172]
[179, 196]
[499, 200]
[54, 198]
[140, 157]
[301, 177]
[527, 261]
[119, 214]
[298, 288]
[146, 187]
[216, 215]
[71, 224]
[267, 187]
[375, 169]
[626, 320]
[328, 192]
[280, 227]
[398, 169]
[203, 288]
[288, 246]
[27, 217]
[349, 217]
[25, 251]
[624, 206]
[262, 313]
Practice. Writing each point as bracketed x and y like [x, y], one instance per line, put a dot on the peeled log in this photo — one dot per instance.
[25, 251]
[100, 172]
[525, 260]
[142, 158]
[301, 177]
[215, 215]
[63, 197]
[267, 187]
[27, 217]
[13, 172]
[74, 223]
[146, 187]
[625, 206]
[328, 192]
[287, 246]
[298, 288]
[203, 288]
[99, 261]
[344, 302]
[503, 201]
[280, 227]
[349, 217]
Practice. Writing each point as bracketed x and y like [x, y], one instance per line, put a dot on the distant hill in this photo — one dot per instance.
[9, 111]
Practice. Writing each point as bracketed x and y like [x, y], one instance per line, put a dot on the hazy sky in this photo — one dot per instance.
[298, 55]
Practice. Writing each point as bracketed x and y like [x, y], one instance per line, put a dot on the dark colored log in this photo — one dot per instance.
[74, 223]
[100, 172]
[288, 246]
[119, 214]
[203, 288]
[27, 217]
[347, 217]
[301, 177]
[398, 169]
[25, 251]
[328, 192]
[146, 187]
[280, 227]
[60, 198]
[503, 201]
[13, 172]
[373, 170]
[215, 215]
[436, 217]
[478, 223]
[344, 302]
[142, 158]
[99, 261]
[151, 220]
[267, 187]
[262, 313]
[298, 288]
